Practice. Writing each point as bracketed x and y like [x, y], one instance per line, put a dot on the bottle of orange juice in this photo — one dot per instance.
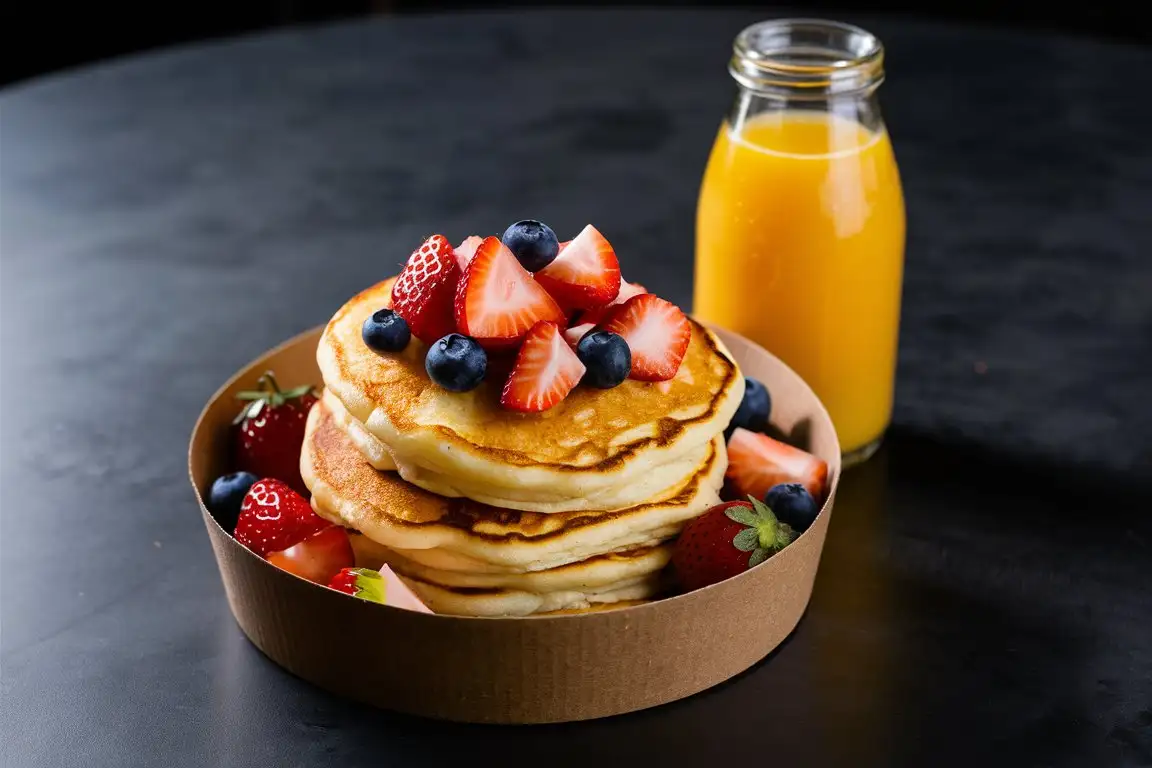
[800, 223]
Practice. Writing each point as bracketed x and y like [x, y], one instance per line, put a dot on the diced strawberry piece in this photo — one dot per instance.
[657, 333]
[756, 462]
[627, 291]
[585, 273]
[576, 332]
[545, 372]
[425, 291]
[498, 302]
[466, 250]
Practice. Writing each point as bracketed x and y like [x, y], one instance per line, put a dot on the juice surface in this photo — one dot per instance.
[800, 247]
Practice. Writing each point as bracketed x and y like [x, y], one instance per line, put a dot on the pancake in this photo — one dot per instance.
[511, 602]
[595, 450]
[347, 490]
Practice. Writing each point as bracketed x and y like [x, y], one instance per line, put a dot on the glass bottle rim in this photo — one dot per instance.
[807, 58]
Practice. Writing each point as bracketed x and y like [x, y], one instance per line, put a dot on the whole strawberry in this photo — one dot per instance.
[270, 431]
[727, 540]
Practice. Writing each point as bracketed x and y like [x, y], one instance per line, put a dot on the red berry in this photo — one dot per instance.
[317, 558]
[425, 290]
[273, 517]
[727, 540]
[363, 583]
[270, 431]
[756, 463]
[657, 333]
[585, 274]
[545, 371]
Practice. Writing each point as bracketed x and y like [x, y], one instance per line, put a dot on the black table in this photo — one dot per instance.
[984, 597]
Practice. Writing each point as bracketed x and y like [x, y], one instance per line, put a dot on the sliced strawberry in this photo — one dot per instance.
[657, 332]
[585, 274]
[274, 517]
[319, 557]
[756, 462]
[546, 370]
[424, 292]
[576, 332]
[627, 291]
[498, 302]
[466, 250]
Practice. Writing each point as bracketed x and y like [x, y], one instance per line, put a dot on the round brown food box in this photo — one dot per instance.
[518, 670]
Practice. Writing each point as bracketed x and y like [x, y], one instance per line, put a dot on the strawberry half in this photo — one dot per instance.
[627, 291]
[576, 332]
[585, 274]
[756, 463]
[425, 291]
[466, 250]
[317, 558]
[545, 372]
[657, 332]
[498, 302]
[273, 517]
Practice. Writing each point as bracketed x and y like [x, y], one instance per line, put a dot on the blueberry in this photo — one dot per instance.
[607, 358]
[792, 504]
[754, 408]
[226, 495]
[457, 363]
[534, 244]
[386, 331]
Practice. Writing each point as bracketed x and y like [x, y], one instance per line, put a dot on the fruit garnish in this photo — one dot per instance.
[226, 495]
[727, 540]
[607, 358]
[532, 243]
[466, 250]
[756, 462]
[425, 290]
[586, 274]
[271, 431]
[792, 504]
[498, 301]
[545, 371]
[657, 332]
[755, 407]
[385, 331]
[577, 332]
[317, 558]
[627, 291]
[382, 586]
[457, 363]
[273, 517]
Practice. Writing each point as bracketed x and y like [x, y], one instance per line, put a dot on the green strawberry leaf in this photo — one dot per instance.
[296, 392]
[370, 585]
[747, 540]
[759, 555]
[742, 515]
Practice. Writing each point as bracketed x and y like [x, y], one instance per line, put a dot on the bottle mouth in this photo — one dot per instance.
[807, 58]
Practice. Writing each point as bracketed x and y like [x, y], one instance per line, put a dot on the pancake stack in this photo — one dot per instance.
[487, 512]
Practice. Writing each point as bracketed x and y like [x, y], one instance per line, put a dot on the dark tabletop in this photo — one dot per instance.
[985, 593]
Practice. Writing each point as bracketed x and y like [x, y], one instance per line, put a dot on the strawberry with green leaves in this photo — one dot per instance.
[270, 431]
[727, 540]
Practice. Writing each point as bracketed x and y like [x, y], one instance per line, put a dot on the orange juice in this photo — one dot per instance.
[800, 247]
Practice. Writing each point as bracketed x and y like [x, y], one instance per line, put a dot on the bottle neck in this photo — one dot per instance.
[807, 65]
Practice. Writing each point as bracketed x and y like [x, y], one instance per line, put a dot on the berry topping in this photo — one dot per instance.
[627, 291]
[457, 363]
[754, 408]
[424, 292]
[386, 331]
[317, 558]
[727, 540]
[586, 274]
[226, 495]
[466, 250]
[363, 583]
[498, 301]
[607, 358]
[657, 332]
[757, 462]
[792, 504]
[577, 332]
[533, 244]
[273, 517]
[271, 431]
[545, 372]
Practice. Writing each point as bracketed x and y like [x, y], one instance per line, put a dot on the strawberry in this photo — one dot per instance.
[576, 332]
[627, 291]
[498, 302]
[657, 332]
[363, 583]
[585, 273]
[317, 558]
[273, 517]
[727, 540]
[545, 372]
[426, 288]
[270, 431]
[466, 250]
[756, 463]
